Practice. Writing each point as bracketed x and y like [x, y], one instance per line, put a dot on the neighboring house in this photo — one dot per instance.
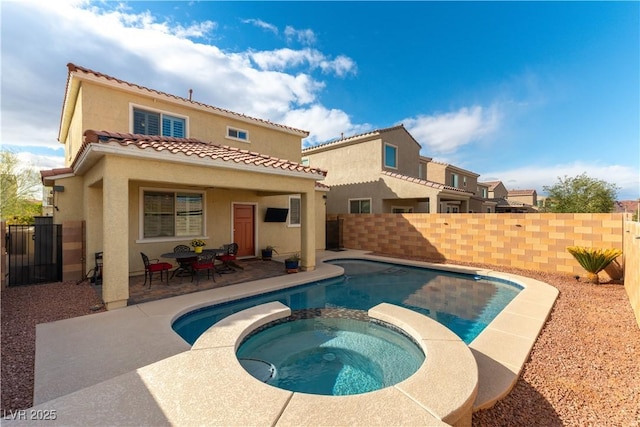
[146, 171]
[462, 179]
[526, 197]
[382, 172]
[514, 201]
[497, 190]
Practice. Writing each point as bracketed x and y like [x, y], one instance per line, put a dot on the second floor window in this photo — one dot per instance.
[359, 206]
[422, 170]
[155, 123]
[239, 134]
[390, 156]
[454, 180]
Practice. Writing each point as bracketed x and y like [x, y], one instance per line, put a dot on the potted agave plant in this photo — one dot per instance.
[292, 263]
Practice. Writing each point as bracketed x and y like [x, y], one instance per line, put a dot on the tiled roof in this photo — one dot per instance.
[353, 137]
[506, 202]
[422, 181]
[455, 168]
[492, 184]
[193, 147]
[75, 68]
[520, 192]
[55, 172]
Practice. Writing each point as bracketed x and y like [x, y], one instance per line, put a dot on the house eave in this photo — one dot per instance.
[94, 152]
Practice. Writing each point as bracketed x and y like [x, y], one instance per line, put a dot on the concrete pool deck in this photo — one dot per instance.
[122, 367]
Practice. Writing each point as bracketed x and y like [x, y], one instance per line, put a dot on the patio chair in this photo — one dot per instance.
[184, 264]
[228, 258]
[205, 261]
[152, 266]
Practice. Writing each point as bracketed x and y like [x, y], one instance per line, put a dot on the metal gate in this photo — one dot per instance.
[35, 252]
[334, 235]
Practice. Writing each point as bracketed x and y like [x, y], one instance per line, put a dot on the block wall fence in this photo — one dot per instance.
[535, 242]
[632, 265]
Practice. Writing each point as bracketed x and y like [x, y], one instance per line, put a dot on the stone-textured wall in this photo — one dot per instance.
[73, 265]
[632, 265]
[528, 241]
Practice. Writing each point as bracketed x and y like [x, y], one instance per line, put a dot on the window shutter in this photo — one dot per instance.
[173, 126]
[139, 122]
[158, 214]
[294, 211]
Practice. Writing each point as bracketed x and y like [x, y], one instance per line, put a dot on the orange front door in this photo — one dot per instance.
[243, 235]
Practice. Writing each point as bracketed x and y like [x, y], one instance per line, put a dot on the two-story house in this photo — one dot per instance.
[146, 170]
[382, 171]
[514, 201]
[462, 179]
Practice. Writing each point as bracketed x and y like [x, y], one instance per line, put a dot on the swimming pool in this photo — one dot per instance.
[464, 303]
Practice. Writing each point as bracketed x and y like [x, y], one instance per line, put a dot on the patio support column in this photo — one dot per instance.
[115, 229]
[434, 204]
[308, 235]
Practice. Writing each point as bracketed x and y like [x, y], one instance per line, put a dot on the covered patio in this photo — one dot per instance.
[252, 269]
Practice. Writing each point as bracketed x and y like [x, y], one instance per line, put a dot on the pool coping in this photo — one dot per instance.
[114, 349]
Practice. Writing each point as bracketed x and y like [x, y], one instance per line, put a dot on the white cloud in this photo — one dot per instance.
[40, 162]
[261, 24]
[152, 52]
[306, 37]
[447, 132]
[323, 123]
[281, 59]
[538, 176]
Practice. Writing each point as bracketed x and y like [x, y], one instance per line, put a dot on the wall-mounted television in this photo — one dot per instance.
[276, 215]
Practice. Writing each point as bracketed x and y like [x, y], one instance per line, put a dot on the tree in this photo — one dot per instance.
[581, 194]
[19, 187]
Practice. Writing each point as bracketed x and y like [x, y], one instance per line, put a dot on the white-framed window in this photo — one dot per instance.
[305, 161]
[166, 214]
[390, 156]
[401, 209]
[454, 180]
[295, 211]
[464, 181]
[237, 134]
[359, 206]
[146, 121]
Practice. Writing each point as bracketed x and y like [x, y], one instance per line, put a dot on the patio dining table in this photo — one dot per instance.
[190, 254]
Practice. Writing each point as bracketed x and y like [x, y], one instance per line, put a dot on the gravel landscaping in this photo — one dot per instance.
[584, 368]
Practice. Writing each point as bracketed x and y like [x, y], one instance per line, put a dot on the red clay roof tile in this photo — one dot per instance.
[194, 147]
[422, 181]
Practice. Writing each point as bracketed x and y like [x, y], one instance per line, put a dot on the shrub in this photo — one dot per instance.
[593, 260]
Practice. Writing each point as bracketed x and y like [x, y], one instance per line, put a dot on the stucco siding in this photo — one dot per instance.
[106, 108]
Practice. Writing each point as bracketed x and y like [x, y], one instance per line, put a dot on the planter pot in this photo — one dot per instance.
[198, 249]
[292, 266]
[267, 254]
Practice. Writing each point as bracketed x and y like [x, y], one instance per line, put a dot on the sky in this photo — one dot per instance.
[526, 93]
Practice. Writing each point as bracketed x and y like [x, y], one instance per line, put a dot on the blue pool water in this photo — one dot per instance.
[464, 303]
[331, 356]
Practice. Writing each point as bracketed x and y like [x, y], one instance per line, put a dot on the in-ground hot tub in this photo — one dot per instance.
[443, 389]
[330, 352]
